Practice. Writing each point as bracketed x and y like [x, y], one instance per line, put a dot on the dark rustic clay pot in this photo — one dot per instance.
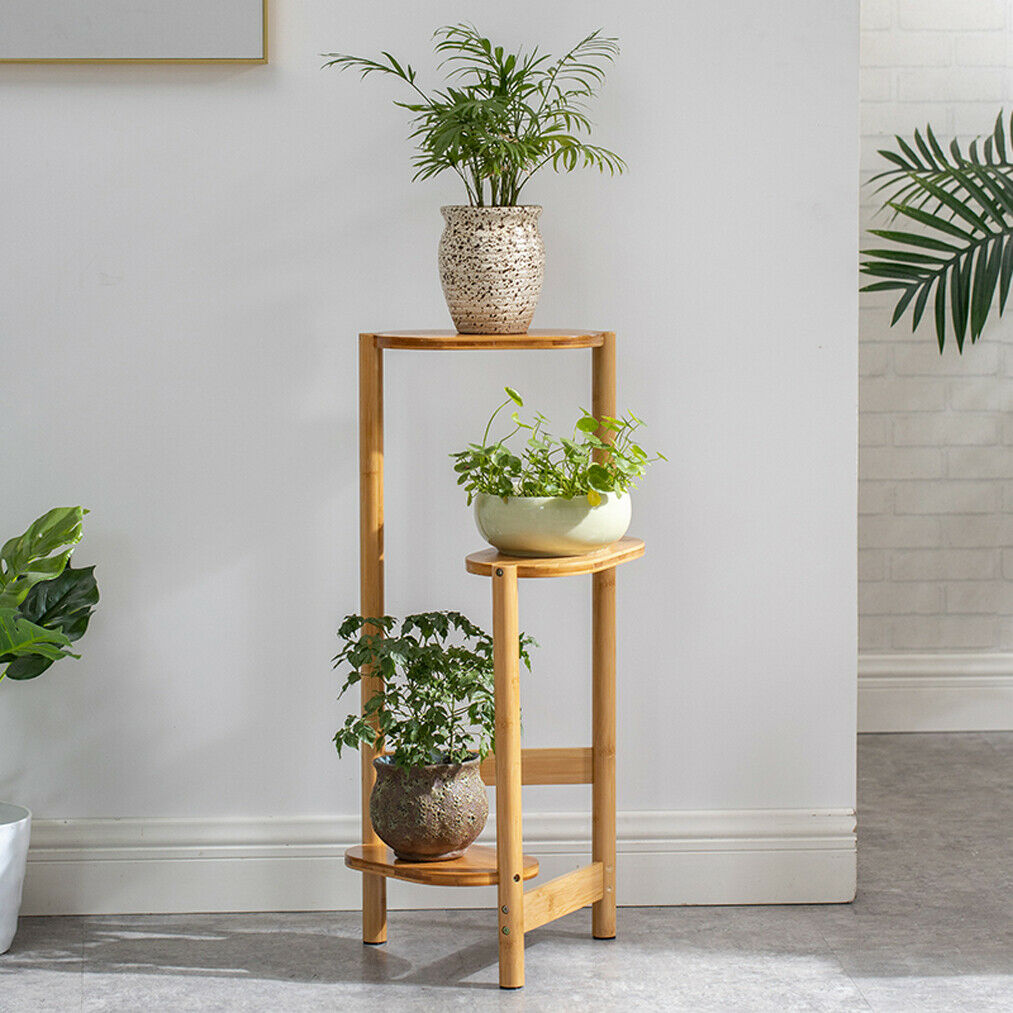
[429, 813]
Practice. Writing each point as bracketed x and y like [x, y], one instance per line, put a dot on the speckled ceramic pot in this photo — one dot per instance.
[492, 262]
[430, 813]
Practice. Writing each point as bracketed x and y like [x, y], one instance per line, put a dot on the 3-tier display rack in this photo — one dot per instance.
[506, 865]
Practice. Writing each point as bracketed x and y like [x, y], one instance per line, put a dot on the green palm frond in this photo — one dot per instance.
[502, 116]
[960, 252]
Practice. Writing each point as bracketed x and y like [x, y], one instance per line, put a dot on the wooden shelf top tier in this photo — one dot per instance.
[476, 867]
[435, 340]
[484, 563]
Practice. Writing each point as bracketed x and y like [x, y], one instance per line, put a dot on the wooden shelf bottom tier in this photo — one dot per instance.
[476, 867]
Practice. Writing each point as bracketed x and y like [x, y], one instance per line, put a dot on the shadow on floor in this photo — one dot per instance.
[932, 922]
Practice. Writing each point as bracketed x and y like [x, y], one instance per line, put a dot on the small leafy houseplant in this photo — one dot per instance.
[45, 605]
[951, 231]
[500, 118]
[435, 709]
[558, 495]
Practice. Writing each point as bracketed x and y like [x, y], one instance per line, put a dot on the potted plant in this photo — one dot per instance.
[436, 711]
[499, 119]
[45, 605]
[561, 496]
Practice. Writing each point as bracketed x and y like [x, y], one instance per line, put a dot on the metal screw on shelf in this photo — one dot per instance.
[499, 573]
[506, 910]
[506, 930]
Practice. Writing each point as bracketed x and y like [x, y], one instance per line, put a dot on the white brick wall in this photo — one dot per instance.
[936, 459]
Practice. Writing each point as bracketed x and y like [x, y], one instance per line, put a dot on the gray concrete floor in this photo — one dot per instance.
[932, 929]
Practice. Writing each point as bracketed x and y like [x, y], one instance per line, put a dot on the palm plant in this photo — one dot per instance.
[503, 116]
[963, 251]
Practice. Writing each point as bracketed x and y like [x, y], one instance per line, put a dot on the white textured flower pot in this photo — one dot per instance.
[15, 826]
[551, 525]
[492, 262]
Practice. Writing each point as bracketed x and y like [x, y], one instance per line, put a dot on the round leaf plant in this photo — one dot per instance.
[600, 456]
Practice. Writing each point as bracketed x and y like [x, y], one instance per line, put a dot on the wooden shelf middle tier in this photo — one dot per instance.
[484, 563]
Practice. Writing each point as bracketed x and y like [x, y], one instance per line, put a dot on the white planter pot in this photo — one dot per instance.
[15, 825]
[551, 525]
[492, 262]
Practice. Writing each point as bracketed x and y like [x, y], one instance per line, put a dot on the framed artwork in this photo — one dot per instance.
[133, 31]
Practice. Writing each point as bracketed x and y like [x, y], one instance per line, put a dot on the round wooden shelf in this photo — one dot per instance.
[476, 867]
[484, 563]
[435, 340]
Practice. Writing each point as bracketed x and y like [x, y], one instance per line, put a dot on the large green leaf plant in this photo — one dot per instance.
[435, 703]
[951, 231]
[45, 603]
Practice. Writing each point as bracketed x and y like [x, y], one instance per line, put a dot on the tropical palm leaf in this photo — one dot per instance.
[504, 115]
[959, 252]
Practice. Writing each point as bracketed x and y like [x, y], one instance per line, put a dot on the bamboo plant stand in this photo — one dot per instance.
[505, 866]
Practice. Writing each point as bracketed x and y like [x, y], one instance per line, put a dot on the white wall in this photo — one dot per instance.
[936, 461]
[189, 255]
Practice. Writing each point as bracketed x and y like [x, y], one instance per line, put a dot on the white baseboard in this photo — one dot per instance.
[768, 856]
[935, 692]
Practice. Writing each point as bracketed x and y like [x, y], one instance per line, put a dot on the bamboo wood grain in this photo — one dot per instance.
[562, 895]
[451, 340]
[547, 766]
[487, 561]
[603, 736]
[508, 867]
[508, 777]
[603, 683]
[476, 867]
[371, 596]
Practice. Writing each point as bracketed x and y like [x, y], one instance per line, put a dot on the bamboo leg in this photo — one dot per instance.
[374, 888]
[508, 778]
[603, 791]
[603, 702]
[603, 377]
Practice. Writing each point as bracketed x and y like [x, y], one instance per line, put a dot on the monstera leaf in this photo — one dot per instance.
[61, 605]
[21, 638]
[44, 602]
[39, 554]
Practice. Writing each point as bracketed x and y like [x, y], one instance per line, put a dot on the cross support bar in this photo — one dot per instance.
[547, 766]
[562, 895]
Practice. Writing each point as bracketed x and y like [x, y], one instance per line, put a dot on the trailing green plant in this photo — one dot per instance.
[45, 603]
[436, 700]
[600, 456]
[956, 251]
[502, 116]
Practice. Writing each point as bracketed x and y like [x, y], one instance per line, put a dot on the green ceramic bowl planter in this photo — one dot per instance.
[555, 496]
